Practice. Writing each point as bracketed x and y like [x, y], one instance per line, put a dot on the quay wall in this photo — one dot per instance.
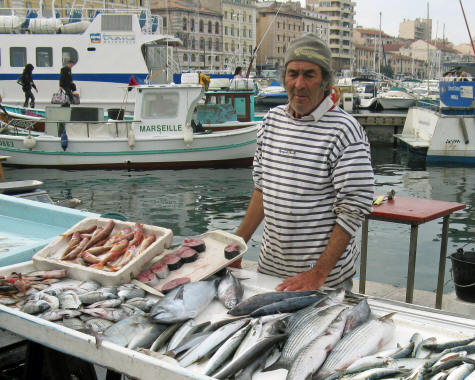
[381, 128]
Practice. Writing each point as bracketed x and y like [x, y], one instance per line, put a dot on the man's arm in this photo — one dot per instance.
[253, 217]
[316, 277]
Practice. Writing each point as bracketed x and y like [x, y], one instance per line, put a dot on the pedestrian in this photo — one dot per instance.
[313, 180]
[238, 72]
[27, 84]
[66, 82]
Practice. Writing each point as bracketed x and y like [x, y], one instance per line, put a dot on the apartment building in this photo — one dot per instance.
[313, 22]
[341, 16]
[199, 25]
[418, 29]
[275, 31]
[364, 36]
[239, 33]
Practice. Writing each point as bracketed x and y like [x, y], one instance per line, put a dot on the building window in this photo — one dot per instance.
[185, 57]
[226, 46]
[210, 27]
[210, 44]
[193, 43]
[17, 56]
[202, 43]
[193, 59]
[185, 23]
[216, 27]
[202, 57]
[225, 30]
[232, 30]
[44, 57]
[217, 58]
[216, 46]
[201, 26]
[164, 22]
[192, 24]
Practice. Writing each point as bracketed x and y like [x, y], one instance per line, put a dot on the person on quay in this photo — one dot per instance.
[238, 72]
[313, 179]
[28, 84]
[66, 81]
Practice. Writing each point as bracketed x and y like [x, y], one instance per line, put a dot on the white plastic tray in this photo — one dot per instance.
[48, 257]
[210, 261]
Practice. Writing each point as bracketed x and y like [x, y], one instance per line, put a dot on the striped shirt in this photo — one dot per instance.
[313, 172]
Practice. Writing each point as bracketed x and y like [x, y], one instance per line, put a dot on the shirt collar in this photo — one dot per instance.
[317, 113]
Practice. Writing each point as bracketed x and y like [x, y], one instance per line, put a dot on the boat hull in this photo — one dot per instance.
[225, 149]
[395, 104]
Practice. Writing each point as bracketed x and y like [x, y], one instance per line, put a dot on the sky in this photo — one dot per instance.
[441, 12]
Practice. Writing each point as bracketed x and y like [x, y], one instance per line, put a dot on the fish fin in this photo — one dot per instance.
[179, 293]
[387, 316]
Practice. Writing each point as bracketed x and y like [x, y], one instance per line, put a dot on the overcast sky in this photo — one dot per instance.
[441, 12]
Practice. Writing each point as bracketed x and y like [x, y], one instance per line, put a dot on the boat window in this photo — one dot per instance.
[69, 54]
[116, 23]
[160, 105]
[17, 56]
[44, 57]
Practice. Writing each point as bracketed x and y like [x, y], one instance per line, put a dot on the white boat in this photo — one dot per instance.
[159, 136]
[273, 94]
[108, 50]
[445, 134]
[396, 99]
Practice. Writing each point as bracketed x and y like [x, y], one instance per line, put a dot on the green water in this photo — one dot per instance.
[194, 201]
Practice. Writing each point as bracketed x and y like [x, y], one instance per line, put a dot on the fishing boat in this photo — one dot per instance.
[445, 134]
[273, 94]
[160, 135]
[97, 45]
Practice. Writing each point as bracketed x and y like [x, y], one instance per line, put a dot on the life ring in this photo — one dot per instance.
[335, 94]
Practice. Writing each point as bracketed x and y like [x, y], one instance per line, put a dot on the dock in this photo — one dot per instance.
[381, 127]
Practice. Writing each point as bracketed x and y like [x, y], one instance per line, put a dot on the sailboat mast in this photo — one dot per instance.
[468, 29]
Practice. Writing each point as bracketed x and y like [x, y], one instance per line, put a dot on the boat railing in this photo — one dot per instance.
[86, 128]
[17, 20]
[17, 126]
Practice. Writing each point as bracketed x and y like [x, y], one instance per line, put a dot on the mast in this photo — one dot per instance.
[468, 29]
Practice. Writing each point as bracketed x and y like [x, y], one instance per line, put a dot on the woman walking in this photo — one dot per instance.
[27, 84]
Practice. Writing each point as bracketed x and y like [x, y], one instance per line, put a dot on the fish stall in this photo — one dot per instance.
[117, 294]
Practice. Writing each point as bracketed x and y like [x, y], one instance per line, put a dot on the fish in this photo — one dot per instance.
[226, 349]
[250, 304]
[461, 372]
[287, 305]
[189, 343]
[98, 324]
[98, 295]
[76, 250]
[212, 341]
[165, 336]
[309, 359]
[106, 313]
[185, 302]
[362, 341]
[270, 334]
[146, 335]
[123, 331]
[101, 233]
[57, 314]
[73, 242]
[69, 300]
[447, 345]
[309, 327]
[35, 306]
[109, 303]
[184, 331]
[230, 290]
[144, 304]
[128, 291]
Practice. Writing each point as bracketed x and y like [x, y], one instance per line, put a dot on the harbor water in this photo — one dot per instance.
[191, 202]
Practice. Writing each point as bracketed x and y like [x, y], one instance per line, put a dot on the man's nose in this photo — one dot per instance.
[300, 81]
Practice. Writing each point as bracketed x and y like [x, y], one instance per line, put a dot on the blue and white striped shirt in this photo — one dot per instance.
[313, 172]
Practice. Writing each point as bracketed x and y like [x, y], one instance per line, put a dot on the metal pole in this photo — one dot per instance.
[468, 29]
[443, 254]
[411, 266]
[364, 255]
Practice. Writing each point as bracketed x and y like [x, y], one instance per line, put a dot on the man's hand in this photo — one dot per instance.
[303, 281]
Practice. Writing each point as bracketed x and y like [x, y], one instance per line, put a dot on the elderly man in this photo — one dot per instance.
[313, 178]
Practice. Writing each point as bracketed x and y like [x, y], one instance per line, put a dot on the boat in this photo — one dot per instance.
[396, 98]
[366, 92]
[273, 94]
[159, 136]
[21, 118]
[444, 134]
[97, 45]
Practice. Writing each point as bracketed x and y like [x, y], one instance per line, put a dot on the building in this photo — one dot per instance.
[341, 16]
[418, 29]
[199, 25]
[239, 33]
[313, 22]
[364, 36]
[275, 31]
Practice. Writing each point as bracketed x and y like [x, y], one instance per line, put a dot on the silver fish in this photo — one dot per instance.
[69, 300]
[129, 291]
[57, 314]
[184, 302]
[98, 324]
[211, 342]
[309, 359]
[98, 295]
[73, 323]
[146, 335]
[191, 342]
[270, 334]
[226, 349]
[124, 331]
[110, 314]
[230, 290]
[184, 331]
[144, 304]
[165, 336]
[35, 306]
[114, 302]
[362, 341]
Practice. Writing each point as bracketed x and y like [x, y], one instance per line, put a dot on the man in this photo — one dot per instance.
[313, 178]
[66, 81]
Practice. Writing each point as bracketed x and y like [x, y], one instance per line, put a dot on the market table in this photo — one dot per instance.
[413, 211]
[408, 320]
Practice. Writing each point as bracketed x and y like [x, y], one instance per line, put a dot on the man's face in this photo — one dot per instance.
[303, 82]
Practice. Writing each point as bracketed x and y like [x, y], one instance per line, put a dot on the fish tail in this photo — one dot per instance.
[387, 316]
